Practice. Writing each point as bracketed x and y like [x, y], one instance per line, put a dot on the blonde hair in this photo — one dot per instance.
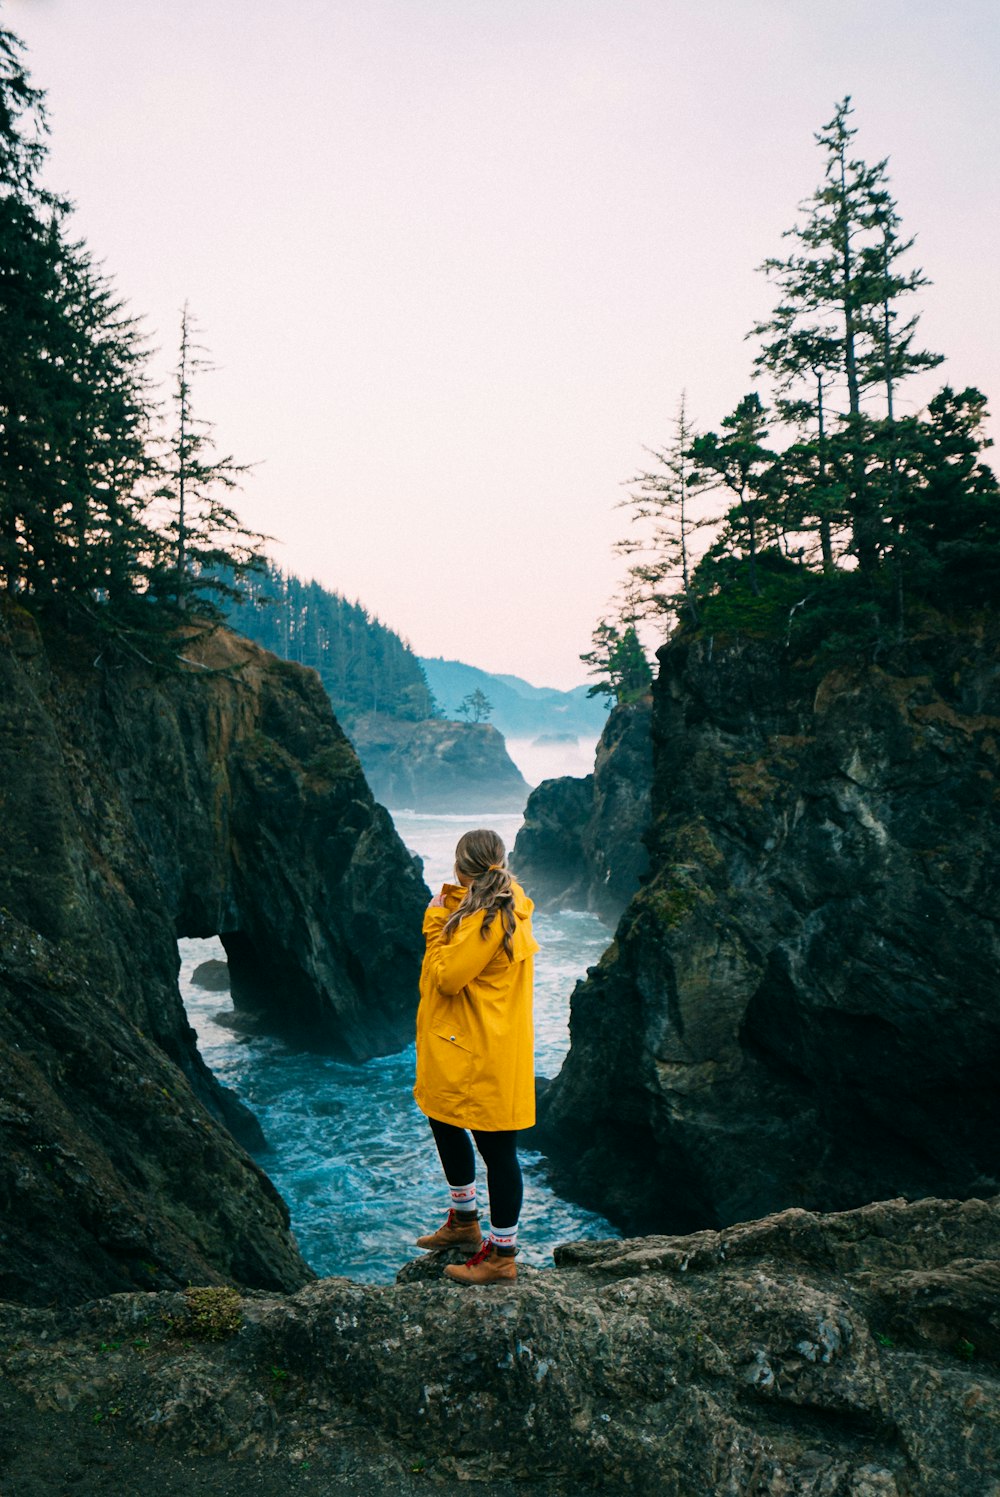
[481, 858]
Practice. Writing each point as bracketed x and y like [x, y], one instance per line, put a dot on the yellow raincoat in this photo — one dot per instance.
[475, 1032]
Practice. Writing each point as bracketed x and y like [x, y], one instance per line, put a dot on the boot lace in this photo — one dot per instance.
[483, 1252]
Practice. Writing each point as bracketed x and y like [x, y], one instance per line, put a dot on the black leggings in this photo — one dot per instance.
[503, 1173]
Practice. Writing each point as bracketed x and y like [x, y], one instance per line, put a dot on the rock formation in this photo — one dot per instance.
[136, 807]
[437, 765]
[800, 1007]
[581, 846]
[801, 1355]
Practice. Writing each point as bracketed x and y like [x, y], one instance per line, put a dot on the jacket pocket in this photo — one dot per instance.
[448, 1063]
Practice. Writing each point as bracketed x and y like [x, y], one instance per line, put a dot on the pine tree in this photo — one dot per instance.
[28, 282]
[208, 549]
[619, 661]
[740, 463]
[837, 327]
[661, 499]
[802, 361]
[948, 515]
[74, 398]
[475, 706]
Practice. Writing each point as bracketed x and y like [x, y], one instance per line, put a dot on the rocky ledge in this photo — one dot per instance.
[136, 806]
[852, 1355]
[581, 846]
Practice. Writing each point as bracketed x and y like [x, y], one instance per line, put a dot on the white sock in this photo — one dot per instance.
[504, 1237]
[463, 1197]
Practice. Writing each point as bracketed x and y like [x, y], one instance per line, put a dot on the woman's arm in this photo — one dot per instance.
[453, 964]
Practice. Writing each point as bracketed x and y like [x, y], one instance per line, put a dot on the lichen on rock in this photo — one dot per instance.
[802, 1354]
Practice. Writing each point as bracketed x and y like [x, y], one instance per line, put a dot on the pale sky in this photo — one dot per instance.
[455, 260]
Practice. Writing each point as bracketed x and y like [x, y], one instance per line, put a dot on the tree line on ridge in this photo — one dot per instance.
[831, 516]
[113, 507]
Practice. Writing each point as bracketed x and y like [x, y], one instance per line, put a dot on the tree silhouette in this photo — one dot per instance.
[476, 706]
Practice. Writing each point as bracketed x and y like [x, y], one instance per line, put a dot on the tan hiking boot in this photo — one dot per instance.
[487, 1267]
[454, 1233]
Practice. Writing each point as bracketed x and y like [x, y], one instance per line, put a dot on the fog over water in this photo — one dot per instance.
[540, 760]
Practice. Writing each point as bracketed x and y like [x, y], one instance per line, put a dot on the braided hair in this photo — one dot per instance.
[481, 858]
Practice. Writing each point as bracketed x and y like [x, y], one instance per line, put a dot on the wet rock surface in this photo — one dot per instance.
[438, 766]
[581, 846]
[853, 1355]
[212, 975]
[137, 806]
[800, 1006]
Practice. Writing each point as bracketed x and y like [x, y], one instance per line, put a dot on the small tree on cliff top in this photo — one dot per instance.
[476, 706]
[619, 661]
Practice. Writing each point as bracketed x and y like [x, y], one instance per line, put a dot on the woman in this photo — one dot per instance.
[475, 1049]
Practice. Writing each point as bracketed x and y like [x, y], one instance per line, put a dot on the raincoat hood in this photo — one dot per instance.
[522, 940]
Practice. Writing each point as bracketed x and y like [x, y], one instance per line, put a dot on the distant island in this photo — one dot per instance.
[429, 732]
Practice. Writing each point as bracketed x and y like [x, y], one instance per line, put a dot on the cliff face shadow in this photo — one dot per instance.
[139, 806]
[799, 1007]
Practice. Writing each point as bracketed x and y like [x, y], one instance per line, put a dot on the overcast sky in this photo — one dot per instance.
[455, 260]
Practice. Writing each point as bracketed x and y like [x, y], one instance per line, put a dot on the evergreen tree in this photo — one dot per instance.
[740, 463]
[203, 533]
[802, 361]
[476, 706]
[663, 579]
[28, 285]
[105, 456]
[837, 324]
[948, 514]
[619, 661]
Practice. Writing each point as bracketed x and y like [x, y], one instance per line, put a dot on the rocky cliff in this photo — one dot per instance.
[800, 1007]
[136, 807]
[581, 846]
[437, 765]
[799, 1356]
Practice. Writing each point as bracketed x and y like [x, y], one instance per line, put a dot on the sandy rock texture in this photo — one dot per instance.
[851, 1355]
[137, 806]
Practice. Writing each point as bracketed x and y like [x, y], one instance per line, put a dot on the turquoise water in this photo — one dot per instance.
[347, 1146]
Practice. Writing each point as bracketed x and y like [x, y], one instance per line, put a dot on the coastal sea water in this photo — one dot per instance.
[347, 1146]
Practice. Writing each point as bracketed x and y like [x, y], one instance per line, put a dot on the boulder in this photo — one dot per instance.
[138, 805]
[800, 1005]
[212, 975]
